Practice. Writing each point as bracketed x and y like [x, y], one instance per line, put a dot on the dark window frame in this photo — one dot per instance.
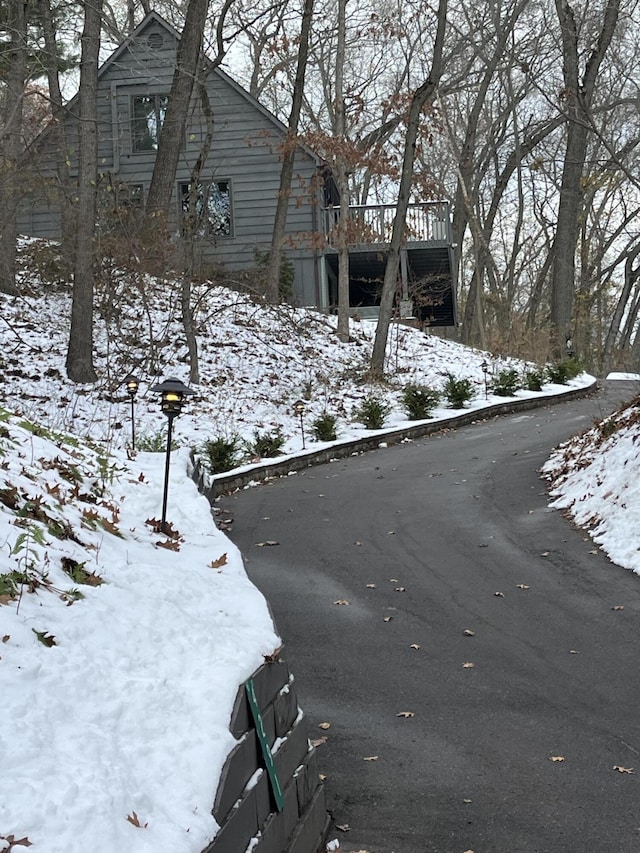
[147, 124]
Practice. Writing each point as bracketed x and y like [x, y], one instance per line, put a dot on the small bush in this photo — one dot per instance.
[506, 383]
[419, 401]
[222, 454]
[561, 371]
[372, 412]
[154, 442]
[534, 380]
[458, 391]
[324, 427]
[267, 444]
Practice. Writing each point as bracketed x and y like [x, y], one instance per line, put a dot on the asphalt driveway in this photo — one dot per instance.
[461, 640]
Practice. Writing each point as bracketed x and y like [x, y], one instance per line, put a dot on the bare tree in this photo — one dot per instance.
[578, 96]
[79, 361]
[421, 96]
[288, 159]
[11, 141]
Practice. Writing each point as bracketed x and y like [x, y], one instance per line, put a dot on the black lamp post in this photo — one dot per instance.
[173, 392]
[132, 389]
[485, 370]
[298, 409]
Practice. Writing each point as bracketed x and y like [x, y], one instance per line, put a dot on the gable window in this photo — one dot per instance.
[148, 112]
[206, 208]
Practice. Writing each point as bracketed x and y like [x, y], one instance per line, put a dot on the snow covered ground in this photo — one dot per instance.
[121, 649]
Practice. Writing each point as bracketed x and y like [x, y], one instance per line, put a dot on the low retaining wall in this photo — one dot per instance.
[270, 798]
[219, 484]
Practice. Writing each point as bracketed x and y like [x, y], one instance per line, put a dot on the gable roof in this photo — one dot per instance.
[153, 18]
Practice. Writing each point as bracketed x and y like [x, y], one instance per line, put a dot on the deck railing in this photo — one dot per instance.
[373, 223]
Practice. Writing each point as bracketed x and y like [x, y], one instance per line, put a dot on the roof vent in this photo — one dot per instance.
[155, 41]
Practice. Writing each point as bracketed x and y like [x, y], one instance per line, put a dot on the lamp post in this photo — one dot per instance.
[298, 409]
[173, 392]
[485, 370]
[132, 389]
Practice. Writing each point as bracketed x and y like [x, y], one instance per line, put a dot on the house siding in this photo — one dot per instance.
[245, 152]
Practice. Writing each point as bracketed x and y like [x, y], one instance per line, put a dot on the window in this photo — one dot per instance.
[207, 208]
[148, 113]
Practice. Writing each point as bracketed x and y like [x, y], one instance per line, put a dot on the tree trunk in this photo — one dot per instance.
[173, 128]
[80, 352]
[59, 114]
[11, 145]
[342, 182]
[289, 153]
[423, 95]
[578, 93]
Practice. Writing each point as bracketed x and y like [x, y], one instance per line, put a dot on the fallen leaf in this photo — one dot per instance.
[274, 657]
[370, 758]
[623, 769]
[319, 741]
[135, 820]
[469, 633]
[324, 726]
[6, 638]
[468, 665]
[387, 618]
[221, 561]
[406, 714]
[269, 542]
[342, 601]
[414, 646]
[46, 639]
[169, 545]
[556, 758]
[16, 842]
[5, 599]
[618, 607]
[522, 586]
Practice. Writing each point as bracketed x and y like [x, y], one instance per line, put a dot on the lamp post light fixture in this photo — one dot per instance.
[132, 389]
[485, 370]
[298, 409]
[173, 393]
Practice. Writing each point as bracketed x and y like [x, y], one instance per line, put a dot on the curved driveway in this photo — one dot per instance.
[524, 691]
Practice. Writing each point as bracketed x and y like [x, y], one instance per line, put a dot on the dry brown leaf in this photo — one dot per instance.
[468, 665]
[170, 545]
[324, 726]
[16, 842]
[135, 820]
[469, 633]
[6, 638]
[274, 657]
[341, 601]
[556, 758]
[405, 714]
[5, 599]
[221, 561]
[623, 769]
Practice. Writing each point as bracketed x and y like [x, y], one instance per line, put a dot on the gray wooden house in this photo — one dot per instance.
[239, 185]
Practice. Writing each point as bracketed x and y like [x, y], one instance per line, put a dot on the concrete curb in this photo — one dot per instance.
[220, 484]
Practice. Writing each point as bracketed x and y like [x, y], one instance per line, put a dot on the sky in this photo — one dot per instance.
[121, 649]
